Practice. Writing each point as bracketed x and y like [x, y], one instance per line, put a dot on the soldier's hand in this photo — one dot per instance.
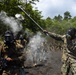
[9, 59]
[45, 31]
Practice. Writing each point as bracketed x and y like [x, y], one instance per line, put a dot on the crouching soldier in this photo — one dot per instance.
[11, 56]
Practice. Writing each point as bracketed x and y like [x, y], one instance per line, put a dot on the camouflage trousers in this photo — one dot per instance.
[13, 72]
[69, 66]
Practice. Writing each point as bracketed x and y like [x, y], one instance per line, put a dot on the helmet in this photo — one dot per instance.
[71, 33]
[21, 37]
[8, 37]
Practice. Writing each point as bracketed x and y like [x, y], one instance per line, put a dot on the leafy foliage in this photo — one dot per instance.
[67, 15]
[58, 24]
[11, 8]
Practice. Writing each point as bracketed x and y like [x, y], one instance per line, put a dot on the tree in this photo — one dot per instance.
[67, 15]
[11, 8]
[31, 1]
[48, 23]
[58, 18]
[35, 15]
[73, 21]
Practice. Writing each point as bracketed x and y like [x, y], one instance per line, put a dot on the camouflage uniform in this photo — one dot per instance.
[14, 51]
[69, 54]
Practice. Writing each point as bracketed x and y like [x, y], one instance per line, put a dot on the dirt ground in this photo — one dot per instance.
[52, 66]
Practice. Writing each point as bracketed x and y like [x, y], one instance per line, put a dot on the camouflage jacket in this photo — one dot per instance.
[69, 45]
[14, 51]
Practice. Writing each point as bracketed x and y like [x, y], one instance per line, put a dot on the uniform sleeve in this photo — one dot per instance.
[1, 49]
[21, 58]
[1, 46]
[21, 55]
[19, 51]
[71, 46]
[56, 36]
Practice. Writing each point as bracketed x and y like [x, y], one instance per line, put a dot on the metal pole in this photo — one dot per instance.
[31, 19]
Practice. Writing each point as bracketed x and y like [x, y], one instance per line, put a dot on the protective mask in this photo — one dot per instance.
[68, 36]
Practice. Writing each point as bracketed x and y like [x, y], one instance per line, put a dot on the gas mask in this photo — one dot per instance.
[8, 37]
[71, 33]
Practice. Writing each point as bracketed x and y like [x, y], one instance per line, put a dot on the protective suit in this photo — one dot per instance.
[13, 54]
[69, 51]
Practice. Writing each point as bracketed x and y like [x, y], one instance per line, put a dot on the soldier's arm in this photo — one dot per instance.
[19, 58]
[55, 36]
[22, 58]
[1, 49]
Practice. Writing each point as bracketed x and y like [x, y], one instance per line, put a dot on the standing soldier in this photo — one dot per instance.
[11, 56]
[69, 52]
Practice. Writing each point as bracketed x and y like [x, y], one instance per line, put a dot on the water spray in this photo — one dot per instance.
[30, 18]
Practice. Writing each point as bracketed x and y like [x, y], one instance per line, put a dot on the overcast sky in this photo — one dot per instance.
[52, 8]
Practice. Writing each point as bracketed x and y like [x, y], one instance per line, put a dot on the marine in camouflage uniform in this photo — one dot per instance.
[12, 52]
[69, 51]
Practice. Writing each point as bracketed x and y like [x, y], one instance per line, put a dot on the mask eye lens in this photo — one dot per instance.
[68, 36]
[8, 39]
